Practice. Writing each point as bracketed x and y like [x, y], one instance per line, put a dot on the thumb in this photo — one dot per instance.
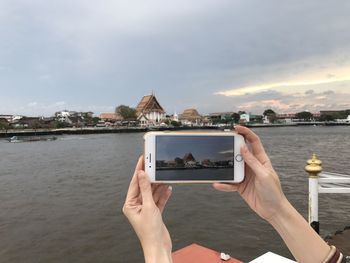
[251, 161]
[145, 188]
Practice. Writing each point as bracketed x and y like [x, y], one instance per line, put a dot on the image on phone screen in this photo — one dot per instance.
[180, 158]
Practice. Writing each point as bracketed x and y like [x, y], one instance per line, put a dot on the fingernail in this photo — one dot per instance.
[244, 148]
[170, 188]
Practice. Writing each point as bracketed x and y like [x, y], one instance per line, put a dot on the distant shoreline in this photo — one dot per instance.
[72, 131]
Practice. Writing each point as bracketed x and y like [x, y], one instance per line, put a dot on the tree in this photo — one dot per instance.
[36, 125]
[126, 112]
[269, 112]
[95, 120]
[175, 123]
[304, 115]
[327, 117]
[3, 126]
[179, 161]
[271, 115]
[236, 117]
[59, 125]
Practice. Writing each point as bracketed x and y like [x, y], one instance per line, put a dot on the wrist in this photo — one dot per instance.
[282, 214]
[157, 254]
[304, 243]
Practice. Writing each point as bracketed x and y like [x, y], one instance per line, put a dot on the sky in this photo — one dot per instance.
[214, 148]
[212, 55]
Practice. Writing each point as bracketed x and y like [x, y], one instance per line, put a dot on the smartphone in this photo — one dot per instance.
[194, 157]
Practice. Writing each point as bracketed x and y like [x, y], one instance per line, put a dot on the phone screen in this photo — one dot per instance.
[181, 158]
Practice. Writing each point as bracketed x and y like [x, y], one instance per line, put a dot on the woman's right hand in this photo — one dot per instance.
[261, 187]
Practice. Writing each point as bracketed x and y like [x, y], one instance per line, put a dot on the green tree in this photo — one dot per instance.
[126, 112]
[35, 125]
[304, 115]
[95, 120]
[175, 123]
[3, 126]
[269, 112]
[59, 125]
[235, 117]
[327, 117]
[179, 161]
[271, 115]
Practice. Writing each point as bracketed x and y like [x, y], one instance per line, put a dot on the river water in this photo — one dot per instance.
[61, 201]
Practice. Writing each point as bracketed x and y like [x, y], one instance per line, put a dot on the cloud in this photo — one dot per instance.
[85, 54]
[328, 92]
[309, 92]
[58, 104]
[296, 102]
[313, 79]
[226, 152]
[32, 104]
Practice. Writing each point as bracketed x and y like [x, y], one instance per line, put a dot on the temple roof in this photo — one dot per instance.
[149, 103]
[111, 116]
[190, 114]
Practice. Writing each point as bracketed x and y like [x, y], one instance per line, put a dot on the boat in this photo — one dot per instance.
[17, 139]
[14, 139]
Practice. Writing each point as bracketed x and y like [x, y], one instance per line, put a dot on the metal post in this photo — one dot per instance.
[313, 167]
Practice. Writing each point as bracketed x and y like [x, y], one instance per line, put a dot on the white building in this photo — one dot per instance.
[175, 117]
[266, 120]
[8, 118]
[245, 117]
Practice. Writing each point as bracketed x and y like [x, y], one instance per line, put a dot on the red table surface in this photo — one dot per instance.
[197, 254]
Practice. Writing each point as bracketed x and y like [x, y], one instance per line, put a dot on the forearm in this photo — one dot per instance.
[157, 255]
[303, 242]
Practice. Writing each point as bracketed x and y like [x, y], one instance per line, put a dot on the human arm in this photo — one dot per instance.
[303, 242]
[262, 191]
[143, 207]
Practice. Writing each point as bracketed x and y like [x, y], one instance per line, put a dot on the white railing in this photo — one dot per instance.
[333, 183]
[323, 183]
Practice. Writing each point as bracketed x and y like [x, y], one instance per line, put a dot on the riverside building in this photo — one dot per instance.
[149, 111]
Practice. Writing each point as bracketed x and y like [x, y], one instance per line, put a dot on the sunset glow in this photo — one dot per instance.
[283, 86]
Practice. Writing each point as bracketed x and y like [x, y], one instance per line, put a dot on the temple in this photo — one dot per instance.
[149, 111]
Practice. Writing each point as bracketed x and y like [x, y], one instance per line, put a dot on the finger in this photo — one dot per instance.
[140, 164]
[226, 187]
[155, 187]
[251, 161]
[164, 198]
[145, 188]
[254, 140]
[134, 190]
[159, 192]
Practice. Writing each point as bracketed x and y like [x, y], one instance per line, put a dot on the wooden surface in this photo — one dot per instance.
[197, 254]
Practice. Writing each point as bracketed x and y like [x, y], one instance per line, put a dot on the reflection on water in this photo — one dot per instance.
[61, 201]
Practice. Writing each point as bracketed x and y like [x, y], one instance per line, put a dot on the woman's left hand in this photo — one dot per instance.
[143, 207]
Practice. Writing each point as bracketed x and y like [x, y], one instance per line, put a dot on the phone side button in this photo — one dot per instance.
[239, 158]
